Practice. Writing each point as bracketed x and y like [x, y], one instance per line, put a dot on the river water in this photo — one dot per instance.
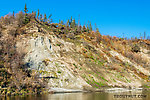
[136, 95]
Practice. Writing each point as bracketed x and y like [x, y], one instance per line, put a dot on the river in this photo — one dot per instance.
[134, 95]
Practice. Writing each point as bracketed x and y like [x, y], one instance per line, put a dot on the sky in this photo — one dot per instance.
[112, 17]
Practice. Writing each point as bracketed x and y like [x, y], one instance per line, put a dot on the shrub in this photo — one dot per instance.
[129, 55]
[135, 48]
[15, 74]
[71, 36]
[20, 18]
[7, 19]
[98, 38]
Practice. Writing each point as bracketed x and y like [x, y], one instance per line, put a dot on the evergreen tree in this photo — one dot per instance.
[41, 17]
[45, 18]
[84, 28]
[79, 28]
[38, 14]
[144, 35]
[97, 30]
[90, 26]
[68, 22]
[73, 24]
[71, 19]
[95, 26]
[26, 19]
[34, 14]
[13, 14]
[79, 21]
[49, 16]
[61, 22]
[50, 19]
[25, 9]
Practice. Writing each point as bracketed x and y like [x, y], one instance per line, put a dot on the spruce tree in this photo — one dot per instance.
[68, 22]
[95, 26]
[61, 22]
[79, 21]
[38, 14]
[13, 14]
[25, 9]
[97, 30]
[71, 19]
[144, 35]
[26, 19]
[73, 24]
[41, 17]
[84, 29]
[90, 26]
[49, 16]
[34, 14]
[49, 19]
[45, 18]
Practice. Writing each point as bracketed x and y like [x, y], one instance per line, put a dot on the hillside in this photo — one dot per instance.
[37, 55]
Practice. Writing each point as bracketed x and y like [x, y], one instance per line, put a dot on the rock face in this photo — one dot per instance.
[74, 65]
[42, 54]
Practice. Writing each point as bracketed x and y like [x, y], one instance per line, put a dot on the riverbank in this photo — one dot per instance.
[107, 90]
[64, 90]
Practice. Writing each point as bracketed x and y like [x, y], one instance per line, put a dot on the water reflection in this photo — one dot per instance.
[86, 96]
[78, 96]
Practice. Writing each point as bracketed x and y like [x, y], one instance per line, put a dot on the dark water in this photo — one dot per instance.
[86, 96]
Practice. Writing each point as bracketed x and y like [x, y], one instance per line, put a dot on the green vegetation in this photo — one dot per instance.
[146, 86]
[59, 72]
[26, 18]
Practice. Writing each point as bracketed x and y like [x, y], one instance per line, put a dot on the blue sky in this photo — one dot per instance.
[113, 17]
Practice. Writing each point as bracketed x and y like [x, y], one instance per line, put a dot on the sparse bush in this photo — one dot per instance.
[137, 57]
[136, 48]
[14, 73]
[105, 40]
[20, 18]
[12, 32]
[98, 38]
[7, 19]
[71, 35]
[129, 55]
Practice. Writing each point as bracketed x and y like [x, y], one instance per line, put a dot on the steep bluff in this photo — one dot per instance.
[78, 63]
[37, 55]
[44, 55]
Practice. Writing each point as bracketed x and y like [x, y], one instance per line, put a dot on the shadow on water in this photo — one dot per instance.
[135, 95]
